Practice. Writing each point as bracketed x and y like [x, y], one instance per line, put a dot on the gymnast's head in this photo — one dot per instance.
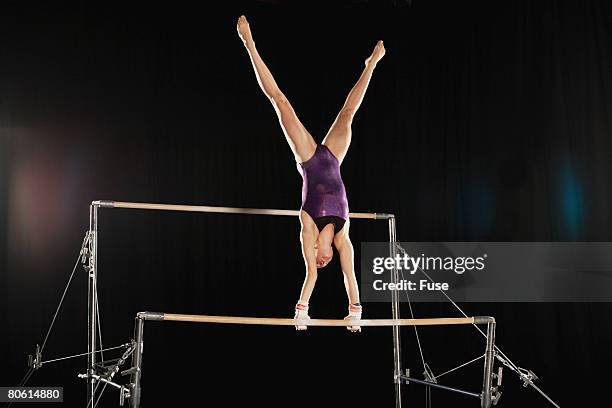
[323, 246]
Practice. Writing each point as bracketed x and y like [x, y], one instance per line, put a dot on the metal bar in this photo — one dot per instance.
[224, 210]
[395, 313]
[270, 321]
[104, 380]
[442, 387]
[137, 363]
[488, 366]
[91, 303]
[483, 319]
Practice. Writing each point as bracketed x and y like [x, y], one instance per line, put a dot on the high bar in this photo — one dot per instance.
[224, 210]
[268, 321]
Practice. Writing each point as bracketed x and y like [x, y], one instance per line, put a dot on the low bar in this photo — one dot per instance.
[141, 317]
[269, 321]
[224, 210]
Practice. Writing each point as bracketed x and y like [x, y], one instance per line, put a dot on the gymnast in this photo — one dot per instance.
[324, 214]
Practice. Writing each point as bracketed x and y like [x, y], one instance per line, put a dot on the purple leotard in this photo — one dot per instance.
[323, 192]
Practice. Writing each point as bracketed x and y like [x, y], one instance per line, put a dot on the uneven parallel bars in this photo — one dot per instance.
[225, 210]
[93, 301]
[269, 321]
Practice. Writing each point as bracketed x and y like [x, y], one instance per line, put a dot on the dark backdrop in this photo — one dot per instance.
[484, 121]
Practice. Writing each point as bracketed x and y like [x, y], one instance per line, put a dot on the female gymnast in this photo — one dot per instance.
[324, 215]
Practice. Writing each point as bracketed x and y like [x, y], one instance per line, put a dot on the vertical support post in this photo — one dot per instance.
[91, 303]
[137, 362]
[485, 399]
[395, 310]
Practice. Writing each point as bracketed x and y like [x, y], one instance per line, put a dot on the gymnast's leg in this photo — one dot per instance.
[301, 142]
[338, 137]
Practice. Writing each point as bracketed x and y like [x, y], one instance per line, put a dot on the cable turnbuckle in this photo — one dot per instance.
[35, 361]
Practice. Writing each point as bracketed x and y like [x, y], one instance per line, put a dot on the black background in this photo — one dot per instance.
[485, 121]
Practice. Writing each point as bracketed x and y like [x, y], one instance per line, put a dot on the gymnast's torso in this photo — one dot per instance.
[323, 192]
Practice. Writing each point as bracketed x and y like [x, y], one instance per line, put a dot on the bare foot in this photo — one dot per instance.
[377, 54]
[244, 31]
